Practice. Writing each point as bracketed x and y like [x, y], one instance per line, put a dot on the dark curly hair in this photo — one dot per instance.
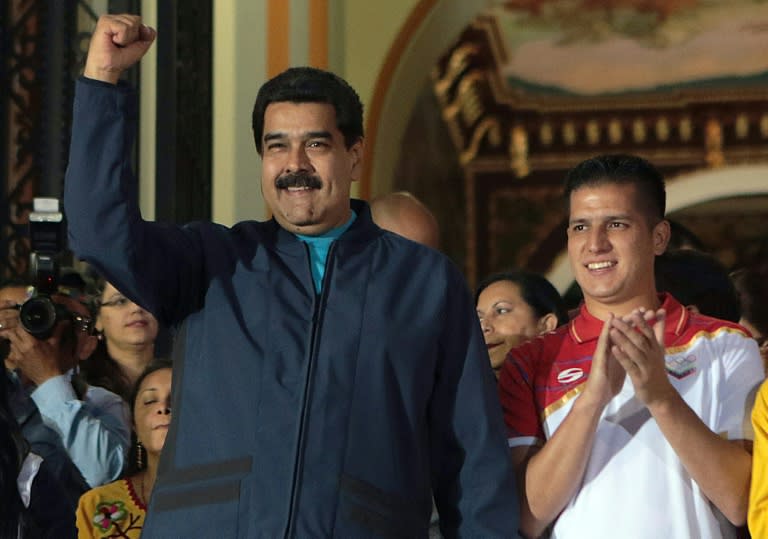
[311, 85]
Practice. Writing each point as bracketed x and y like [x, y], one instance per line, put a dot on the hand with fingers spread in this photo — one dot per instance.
[118, 42]
[606, 375]
[638, 345]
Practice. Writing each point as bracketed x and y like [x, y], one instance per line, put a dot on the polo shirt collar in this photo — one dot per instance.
[585, 327]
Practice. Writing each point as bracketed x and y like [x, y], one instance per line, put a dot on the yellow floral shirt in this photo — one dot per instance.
[112, 510]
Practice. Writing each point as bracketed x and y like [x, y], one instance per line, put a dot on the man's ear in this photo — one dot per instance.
[86, 346]
[356, 152]
[661, 235]
[547, 323]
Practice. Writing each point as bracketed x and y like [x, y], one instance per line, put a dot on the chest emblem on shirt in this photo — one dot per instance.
[570, 375]
[682, 366]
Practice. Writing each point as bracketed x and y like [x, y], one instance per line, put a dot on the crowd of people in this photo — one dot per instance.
[69, 430]
[333, 376]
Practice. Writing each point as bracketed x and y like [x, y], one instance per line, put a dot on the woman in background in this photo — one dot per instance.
[126, 334]
[513, 307]
[119, 508]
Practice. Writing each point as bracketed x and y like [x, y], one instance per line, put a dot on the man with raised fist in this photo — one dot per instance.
[329, 376]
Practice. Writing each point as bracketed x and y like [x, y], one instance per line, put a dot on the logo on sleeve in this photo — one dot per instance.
[570, 375]
[680, 367]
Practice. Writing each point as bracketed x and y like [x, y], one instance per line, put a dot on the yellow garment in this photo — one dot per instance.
[758, 492]
[112, 510]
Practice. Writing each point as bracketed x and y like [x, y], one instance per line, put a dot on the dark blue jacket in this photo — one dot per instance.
[297, 414]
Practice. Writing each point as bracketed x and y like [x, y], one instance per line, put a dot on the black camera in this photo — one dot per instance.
[39, 314]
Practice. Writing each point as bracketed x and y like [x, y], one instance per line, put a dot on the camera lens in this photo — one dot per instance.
[38, 316]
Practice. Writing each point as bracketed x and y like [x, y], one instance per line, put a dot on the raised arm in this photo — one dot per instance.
[94, 430]
[155, 265]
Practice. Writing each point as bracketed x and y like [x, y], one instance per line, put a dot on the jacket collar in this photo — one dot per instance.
[362, 231]
[585, 327]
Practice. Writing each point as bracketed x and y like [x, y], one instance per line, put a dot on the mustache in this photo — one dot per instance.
[298, 179]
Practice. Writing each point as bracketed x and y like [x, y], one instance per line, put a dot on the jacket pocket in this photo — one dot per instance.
[200, 501]
[384, 514]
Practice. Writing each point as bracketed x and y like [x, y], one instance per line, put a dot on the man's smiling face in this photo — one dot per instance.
[612, 245]
[307, 170]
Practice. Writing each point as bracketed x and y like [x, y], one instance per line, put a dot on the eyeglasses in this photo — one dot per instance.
[82, 323]
[118, 302]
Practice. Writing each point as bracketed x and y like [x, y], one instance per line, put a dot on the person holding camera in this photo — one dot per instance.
[55, 408]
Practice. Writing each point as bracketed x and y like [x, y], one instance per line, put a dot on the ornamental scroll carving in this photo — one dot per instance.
[463, 90]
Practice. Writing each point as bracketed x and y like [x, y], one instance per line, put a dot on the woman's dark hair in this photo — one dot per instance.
[535, 290]
[131, 466]
[13, 451]
[752, 287]
[103, 371]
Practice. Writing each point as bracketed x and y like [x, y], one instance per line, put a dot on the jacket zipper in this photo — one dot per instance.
[316, 322]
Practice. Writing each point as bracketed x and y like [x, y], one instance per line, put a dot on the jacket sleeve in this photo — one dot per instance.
[94, 431]
[49, 508]
[157, 266]
[472, 476]
[757, 516]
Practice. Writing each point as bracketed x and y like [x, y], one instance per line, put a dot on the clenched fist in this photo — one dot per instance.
[118, 42]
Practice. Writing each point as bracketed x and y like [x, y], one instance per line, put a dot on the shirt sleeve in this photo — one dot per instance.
[516, 391]
[95, 431]
[743, 371]
[757, 516]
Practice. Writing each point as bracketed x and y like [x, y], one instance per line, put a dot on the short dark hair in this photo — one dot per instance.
[698, 279]
[311, 85]
[535, 290]
[626, 170]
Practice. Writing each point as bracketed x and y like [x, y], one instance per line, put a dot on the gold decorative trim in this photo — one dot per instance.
[562, 401]
[518, 151]
[489, 129]
[714, 143]
[705, 335]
